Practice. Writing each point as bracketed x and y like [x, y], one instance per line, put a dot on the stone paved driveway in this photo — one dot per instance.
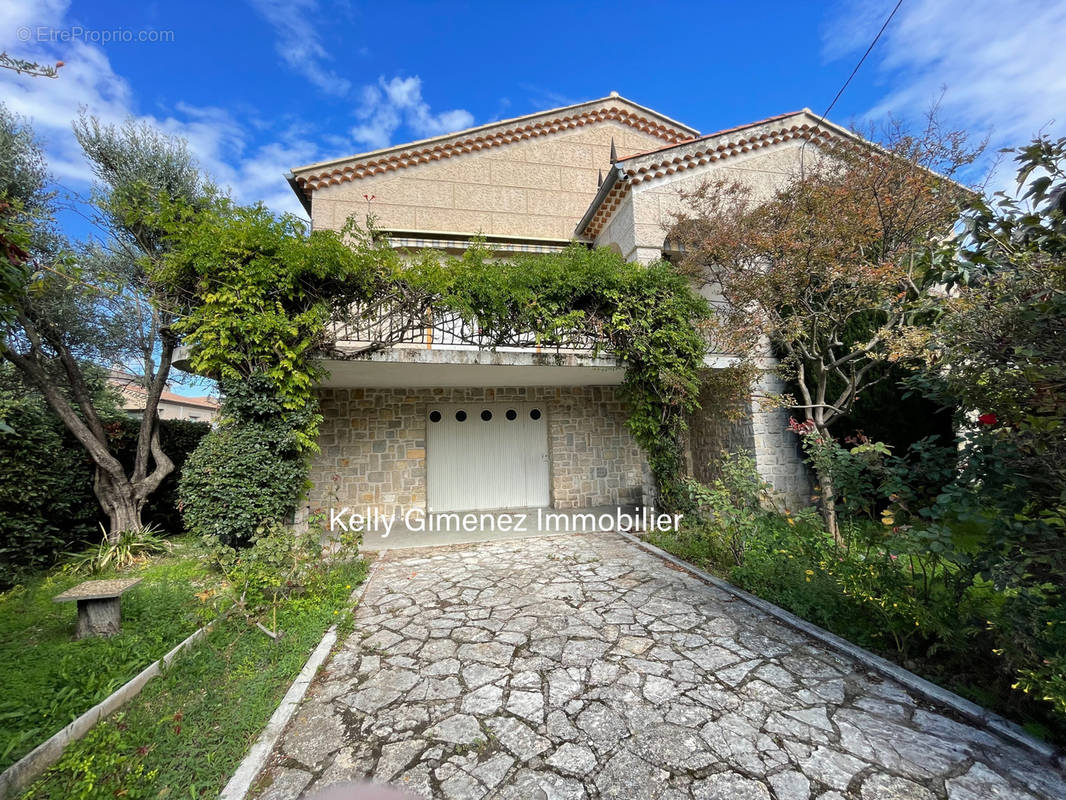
[582, 666]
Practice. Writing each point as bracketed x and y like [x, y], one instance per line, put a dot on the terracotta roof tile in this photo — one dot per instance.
[398, 160]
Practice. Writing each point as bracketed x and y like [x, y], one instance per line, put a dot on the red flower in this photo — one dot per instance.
[988, 418]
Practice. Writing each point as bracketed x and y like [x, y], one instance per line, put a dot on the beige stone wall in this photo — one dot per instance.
[644, 218]
[533, 188]
[373, 446]
[722, 424]
[760, 432]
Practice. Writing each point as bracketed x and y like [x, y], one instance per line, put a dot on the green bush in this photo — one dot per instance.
[239, 478]
[729, 509]
[46, 498]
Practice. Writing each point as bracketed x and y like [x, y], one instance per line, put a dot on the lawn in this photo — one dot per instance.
[50, 679]
[185, 734]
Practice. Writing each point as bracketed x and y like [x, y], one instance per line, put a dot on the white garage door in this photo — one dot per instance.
[486, 455]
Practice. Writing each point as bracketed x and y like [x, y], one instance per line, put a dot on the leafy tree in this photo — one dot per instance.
[829, 270]
[997, 350]
[97, 304]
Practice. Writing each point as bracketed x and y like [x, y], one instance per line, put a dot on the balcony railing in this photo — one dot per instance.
[391, 324]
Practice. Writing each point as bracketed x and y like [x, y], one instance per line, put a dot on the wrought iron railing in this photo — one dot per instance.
[389, 323]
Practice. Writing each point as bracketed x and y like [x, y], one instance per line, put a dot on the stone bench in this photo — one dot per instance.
[99, 611]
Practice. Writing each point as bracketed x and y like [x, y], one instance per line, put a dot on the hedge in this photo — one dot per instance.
[47, 505]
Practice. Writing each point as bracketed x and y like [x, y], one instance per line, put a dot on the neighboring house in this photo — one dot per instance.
[171, 405]
[443, 422]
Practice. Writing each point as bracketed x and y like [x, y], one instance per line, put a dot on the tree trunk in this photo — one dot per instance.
[829, 507]
[121, 496]
[119, 503]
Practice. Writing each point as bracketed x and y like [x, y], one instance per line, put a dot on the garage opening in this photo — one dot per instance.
[487, 456]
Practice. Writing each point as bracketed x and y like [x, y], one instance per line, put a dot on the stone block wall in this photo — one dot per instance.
[373, 446]
[778, 455]
[778, 458]
[721, 424]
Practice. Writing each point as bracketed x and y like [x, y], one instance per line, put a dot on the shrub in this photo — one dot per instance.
[46, 498]
[729, 509]
[130, 548]
[239, 478]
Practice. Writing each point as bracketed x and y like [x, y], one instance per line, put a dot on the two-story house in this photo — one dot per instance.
[440, 421]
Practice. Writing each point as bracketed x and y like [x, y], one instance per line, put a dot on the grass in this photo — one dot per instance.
[50, 679]
[185, 734]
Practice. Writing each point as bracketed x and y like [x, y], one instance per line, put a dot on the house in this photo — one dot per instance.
[443, 422]
[171, 405]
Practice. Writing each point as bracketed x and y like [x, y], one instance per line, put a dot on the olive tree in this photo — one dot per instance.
[69, 306]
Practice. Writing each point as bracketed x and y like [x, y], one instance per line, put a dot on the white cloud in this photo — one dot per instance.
[398, 101]
[223, 145]
[298, 42]
[1001, 66]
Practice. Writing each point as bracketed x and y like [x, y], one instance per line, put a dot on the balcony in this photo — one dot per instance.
[387, 345]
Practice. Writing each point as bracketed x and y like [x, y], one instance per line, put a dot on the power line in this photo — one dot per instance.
[869, 49]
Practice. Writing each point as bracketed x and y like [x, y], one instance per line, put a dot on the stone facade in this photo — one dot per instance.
[531, 177]
[778, 455]
[373, 446]
[720, 425]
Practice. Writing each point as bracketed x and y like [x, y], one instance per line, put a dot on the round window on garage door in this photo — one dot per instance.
[534, 414]
[460, 416]
[486, 415]
[511, 414]
[434, 416]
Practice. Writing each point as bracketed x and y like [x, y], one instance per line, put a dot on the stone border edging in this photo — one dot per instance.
[28, 768]
[930, 691]
[253, 763]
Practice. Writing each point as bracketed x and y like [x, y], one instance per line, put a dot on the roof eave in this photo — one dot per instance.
[466, 131]
[305, 201]
[613, 175]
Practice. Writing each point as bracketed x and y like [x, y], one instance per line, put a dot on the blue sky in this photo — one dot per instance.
[260, 86]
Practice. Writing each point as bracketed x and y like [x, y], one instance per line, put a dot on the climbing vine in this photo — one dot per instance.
[646, 315]
[257, 294]
[261, 295]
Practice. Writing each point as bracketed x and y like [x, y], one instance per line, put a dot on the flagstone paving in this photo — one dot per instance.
[582, 666]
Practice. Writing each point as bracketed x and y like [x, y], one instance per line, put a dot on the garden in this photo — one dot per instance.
[199, 518]
[940, 546]
[924, 373]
